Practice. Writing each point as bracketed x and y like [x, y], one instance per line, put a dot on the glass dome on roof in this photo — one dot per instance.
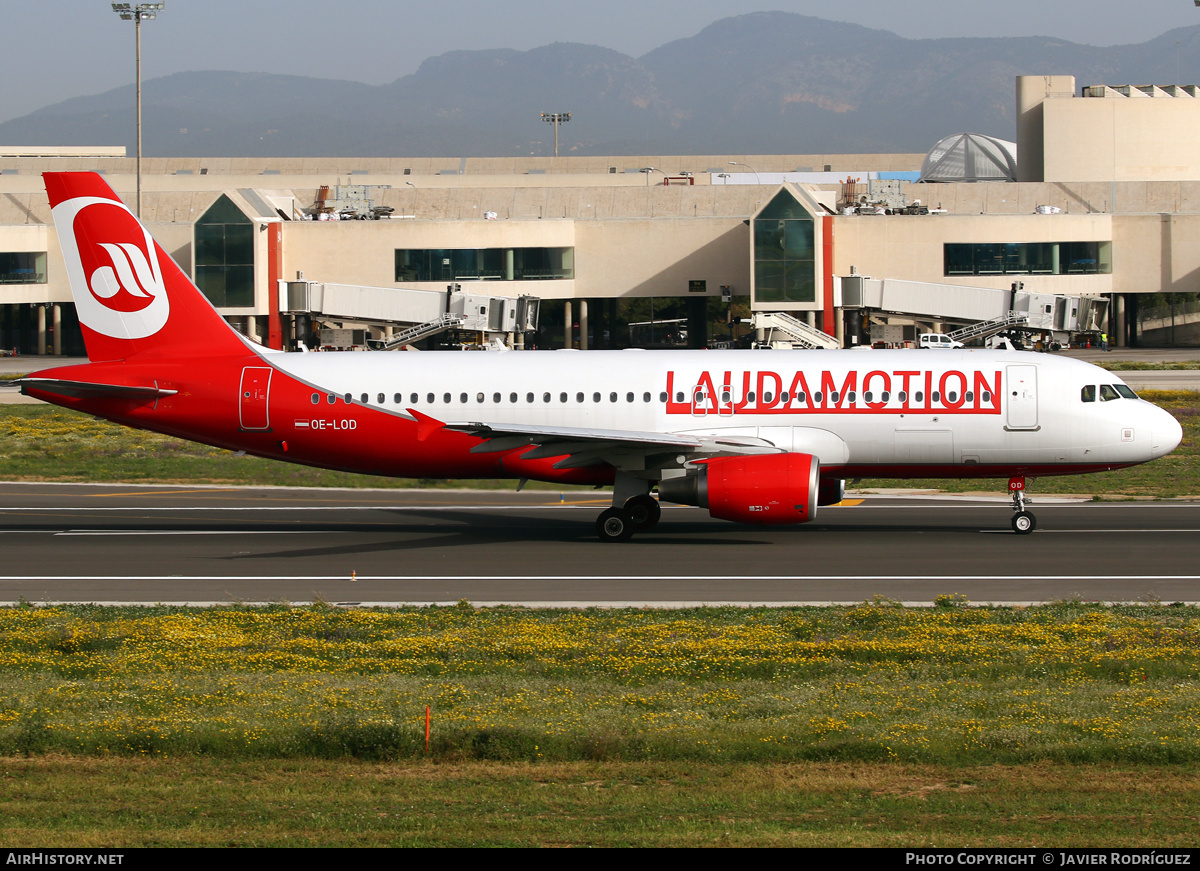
[970, 157]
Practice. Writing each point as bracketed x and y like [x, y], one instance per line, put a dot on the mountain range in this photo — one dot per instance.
[764, 83]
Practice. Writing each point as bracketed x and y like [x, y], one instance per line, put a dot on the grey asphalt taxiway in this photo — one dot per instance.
[122, 543]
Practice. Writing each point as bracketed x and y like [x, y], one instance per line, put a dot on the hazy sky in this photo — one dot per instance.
[58, 49]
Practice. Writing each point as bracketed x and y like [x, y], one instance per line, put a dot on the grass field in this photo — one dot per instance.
[198, 801]
[1072, 724]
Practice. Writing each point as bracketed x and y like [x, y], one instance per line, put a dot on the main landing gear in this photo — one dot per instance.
[638, 513]
[1023, 521]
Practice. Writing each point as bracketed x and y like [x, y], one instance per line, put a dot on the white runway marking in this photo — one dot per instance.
[344, 577]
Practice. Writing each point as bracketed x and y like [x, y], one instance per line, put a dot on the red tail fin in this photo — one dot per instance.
[130, 295]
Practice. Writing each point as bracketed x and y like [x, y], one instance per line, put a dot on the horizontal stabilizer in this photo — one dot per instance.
[90, 390]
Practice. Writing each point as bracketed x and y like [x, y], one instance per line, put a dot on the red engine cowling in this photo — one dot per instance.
[762, 488]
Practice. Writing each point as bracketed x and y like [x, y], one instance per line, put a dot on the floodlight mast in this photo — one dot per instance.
[556, 118]
[137, 13]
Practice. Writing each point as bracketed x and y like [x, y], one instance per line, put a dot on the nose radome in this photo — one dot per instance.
[1167, 434]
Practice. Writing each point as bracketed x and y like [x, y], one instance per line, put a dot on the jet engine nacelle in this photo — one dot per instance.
[831, 492]
[761, 488]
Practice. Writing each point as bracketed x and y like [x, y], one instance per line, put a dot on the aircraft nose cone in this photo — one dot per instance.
[1167, 434]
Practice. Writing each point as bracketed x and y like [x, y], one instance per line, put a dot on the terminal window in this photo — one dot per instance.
[1028, 258]
[784, 252]
[484, 264]
[23, 267]
[225, 255]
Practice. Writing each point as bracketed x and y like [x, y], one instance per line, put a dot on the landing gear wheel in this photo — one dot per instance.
[644, 511]
[615, 524]
[1024, 522]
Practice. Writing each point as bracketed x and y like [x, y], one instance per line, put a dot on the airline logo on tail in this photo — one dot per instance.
[113, 267]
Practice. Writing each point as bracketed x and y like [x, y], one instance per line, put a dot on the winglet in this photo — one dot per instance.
[426, 425]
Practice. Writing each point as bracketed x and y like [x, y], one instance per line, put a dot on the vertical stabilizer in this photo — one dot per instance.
[130, 295]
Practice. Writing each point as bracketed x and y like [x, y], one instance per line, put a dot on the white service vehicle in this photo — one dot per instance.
[937, 340]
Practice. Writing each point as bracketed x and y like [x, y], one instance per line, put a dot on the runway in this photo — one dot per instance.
[188, 544]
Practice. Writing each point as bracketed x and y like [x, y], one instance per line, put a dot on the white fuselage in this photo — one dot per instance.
[950, 413]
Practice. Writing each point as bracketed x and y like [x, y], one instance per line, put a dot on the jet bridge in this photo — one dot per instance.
[422, 313]
[982, 310]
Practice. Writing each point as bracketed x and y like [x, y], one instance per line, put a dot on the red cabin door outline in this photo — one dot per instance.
[255, 392]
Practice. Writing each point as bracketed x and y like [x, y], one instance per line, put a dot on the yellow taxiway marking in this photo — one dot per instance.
[848, 502]
[160, 493]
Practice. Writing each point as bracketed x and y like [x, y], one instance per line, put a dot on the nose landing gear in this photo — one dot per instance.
[1023, 522]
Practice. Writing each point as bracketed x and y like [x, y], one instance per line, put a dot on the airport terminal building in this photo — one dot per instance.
[1096, 204]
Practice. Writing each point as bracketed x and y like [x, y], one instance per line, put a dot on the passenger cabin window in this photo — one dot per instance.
[380, 397]
[1088, 393]
[645, 397]
[316, 399]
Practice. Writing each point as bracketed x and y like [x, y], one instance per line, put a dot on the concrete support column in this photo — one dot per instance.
[510, 269]
[839, 326]
[1055, 259]
[583, 325]
[1119, 332]
[56, 321]
[41, 330]
[568, 325]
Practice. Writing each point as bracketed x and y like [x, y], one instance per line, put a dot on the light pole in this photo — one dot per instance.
[556, 118]
[137, 13]
[757, 180]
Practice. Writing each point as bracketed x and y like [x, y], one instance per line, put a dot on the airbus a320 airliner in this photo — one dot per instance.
[754, 437]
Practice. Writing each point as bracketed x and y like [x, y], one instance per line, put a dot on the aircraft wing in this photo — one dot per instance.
[586, 446]
[89, 389]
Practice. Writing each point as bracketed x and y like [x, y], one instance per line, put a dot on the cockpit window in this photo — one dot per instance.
[1088, 393]
[1126, 391]
[1107, 392]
